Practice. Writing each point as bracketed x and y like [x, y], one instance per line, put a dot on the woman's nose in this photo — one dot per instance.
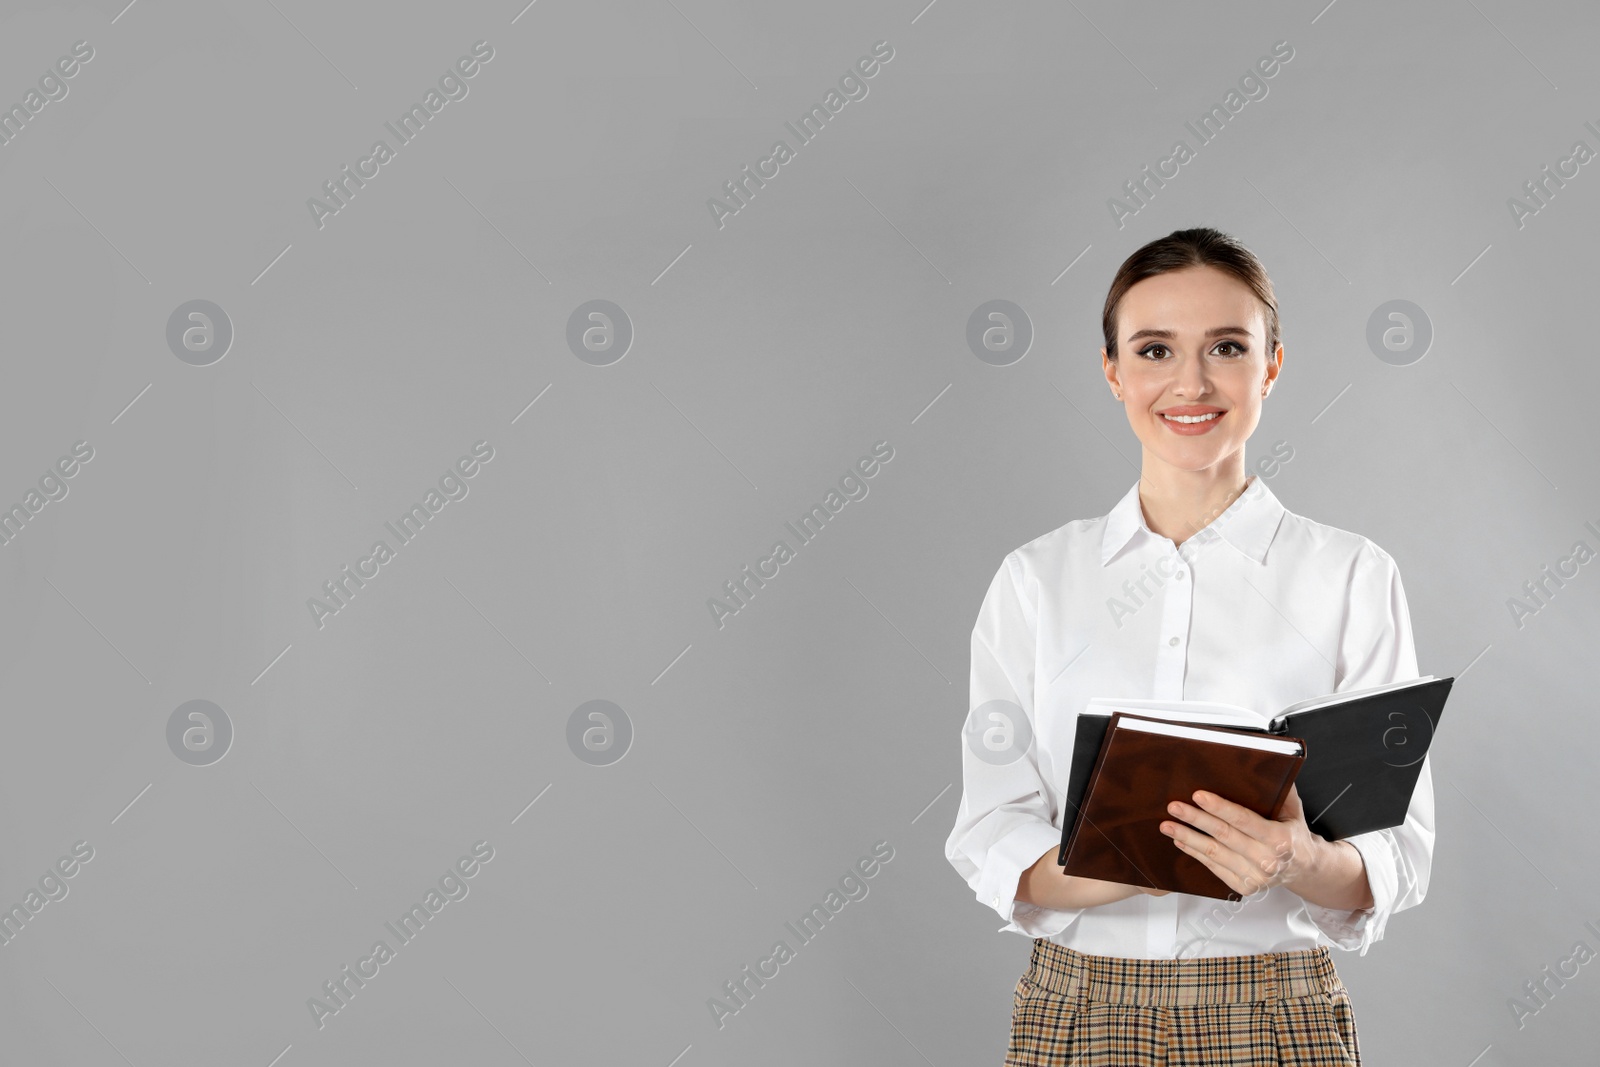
[1191, 376]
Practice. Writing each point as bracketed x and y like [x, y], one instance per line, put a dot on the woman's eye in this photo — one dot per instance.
[1157, 352]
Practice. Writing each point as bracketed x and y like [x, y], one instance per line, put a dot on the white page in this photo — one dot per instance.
[1202, 712]
[1268, 744]
[1340, 698]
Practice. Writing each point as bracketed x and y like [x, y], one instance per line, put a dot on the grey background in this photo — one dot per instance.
[768, 755]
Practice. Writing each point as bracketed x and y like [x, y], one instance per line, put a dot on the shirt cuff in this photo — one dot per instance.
[1358, 929]
[1007, 859]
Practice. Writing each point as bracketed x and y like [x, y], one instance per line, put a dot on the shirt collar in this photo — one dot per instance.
[1248, 524]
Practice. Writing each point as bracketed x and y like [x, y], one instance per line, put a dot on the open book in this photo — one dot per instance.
[1145, 763]
[1363, 751]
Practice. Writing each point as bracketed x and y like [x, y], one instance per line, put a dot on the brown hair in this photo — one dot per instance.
[1199, 247]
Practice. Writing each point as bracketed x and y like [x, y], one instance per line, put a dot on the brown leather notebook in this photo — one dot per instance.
[1146, 763]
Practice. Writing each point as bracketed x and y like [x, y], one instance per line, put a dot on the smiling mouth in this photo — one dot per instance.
[1189, 420]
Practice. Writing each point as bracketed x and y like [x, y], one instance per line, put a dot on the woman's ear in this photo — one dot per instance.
[1109, 366]
[1274, 367]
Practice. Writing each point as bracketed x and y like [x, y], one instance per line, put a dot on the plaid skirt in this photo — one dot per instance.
[1072, 1009]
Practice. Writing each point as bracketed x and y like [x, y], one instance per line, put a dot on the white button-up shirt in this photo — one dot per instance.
[1262, 608]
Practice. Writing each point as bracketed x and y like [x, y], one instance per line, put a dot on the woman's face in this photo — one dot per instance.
[1192, 342]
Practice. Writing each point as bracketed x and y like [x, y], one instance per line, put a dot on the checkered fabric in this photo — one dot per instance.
[1072, 1009]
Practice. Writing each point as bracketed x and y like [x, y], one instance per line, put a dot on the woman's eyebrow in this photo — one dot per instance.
[1167, 335]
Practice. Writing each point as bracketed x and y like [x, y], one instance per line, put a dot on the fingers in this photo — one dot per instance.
[1222, 861]
[1225, 873]
[1226, 811]
[1247, 884]
[1250, 862]
[1239, 846]
[1233, 824]
[1243, 873]
[1211, 820]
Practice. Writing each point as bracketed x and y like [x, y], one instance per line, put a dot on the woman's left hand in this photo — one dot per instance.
[1243, 849]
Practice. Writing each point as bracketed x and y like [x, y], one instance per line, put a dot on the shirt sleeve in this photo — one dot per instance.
[1006, 819]
[1376, 648]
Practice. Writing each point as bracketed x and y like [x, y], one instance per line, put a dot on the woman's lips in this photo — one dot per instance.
[1191, 429]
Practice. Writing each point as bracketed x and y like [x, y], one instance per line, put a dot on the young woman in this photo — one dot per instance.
[1197, 585]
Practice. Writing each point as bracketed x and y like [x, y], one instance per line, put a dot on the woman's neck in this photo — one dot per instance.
[1178, 504]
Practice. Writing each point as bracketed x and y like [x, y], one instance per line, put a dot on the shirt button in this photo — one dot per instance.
[1172, 640]
[997, 902]
[1179, 576]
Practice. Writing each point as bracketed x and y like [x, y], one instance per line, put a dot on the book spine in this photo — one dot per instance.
[1071, 845]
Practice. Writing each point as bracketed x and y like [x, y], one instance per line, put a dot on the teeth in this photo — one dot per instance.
[1193, 418]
